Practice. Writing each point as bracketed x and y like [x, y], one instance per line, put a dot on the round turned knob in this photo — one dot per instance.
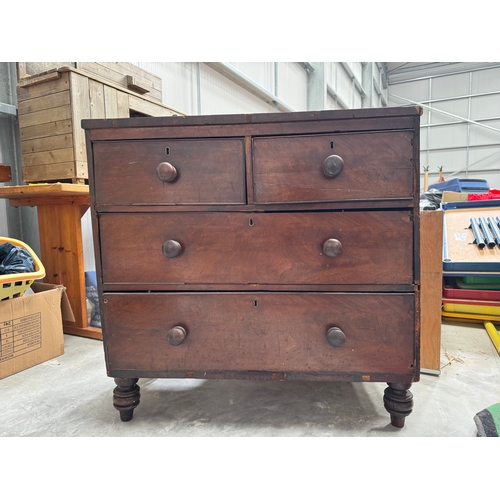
[332, 247]
[171, 248]
[333, 165]
[166, 172]
[176, 335]
[335, 336]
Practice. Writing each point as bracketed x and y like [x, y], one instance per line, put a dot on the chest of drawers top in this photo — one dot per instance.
[338, 159]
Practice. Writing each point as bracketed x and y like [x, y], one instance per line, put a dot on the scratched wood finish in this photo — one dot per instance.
[208, 171]
[274, 332]
[288, 169]
[280, 248]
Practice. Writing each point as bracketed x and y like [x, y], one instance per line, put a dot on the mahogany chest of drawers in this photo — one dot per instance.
[269, 246]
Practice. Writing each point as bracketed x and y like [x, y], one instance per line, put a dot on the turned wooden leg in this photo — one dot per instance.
[126, 396]
[398, 401]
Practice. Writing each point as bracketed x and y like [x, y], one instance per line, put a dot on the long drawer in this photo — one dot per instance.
[157, 333]
[333, 167]
[171, 171]
[257, 248]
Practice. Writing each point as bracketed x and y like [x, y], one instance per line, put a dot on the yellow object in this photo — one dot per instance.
[472, 309]
[15, 285]
[479, 318]
[493, 333]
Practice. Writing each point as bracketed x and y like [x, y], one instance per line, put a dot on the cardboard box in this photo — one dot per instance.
[453, 196]
[31, 329]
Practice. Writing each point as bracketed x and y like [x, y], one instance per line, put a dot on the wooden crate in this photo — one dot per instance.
[122, 74]
[51, 106]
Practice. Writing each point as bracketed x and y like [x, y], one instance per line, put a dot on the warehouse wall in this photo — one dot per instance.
[265, 87]
[460, 126]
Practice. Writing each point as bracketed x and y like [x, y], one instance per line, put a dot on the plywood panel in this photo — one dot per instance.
[431, 265]
[459, 238]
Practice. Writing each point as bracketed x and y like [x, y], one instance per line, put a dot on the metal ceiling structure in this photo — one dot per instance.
[399, 72]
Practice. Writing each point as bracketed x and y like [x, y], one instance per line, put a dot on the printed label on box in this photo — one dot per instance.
[20, 336]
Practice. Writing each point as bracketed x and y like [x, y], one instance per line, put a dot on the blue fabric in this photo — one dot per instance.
[15, 260]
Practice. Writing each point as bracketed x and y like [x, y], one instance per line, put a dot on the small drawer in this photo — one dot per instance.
[258, 248]
[181, 172]
[333, 167]
[362, 334]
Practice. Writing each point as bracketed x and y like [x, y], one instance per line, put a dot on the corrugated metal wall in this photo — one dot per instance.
[460, 126]
[197, 88]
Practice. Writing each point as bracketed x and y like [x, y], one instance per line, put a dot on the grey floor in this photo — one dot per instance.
[71, 396]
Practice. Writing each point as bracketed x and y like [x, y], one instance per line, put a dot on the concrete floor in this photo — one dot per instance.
[71, 396]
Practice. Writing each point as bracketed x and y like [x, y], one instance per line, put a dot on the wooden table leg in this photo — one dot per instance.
[61, 251]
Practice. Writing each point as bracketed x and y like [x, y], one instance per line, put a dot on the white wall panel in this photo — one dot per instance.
[480, 136]
[344, 87]
[418, 90]
[331, 74]
[485, 159]
[357, 69]
[221, 96]
[357, 101]
[179, 84]
[453, 85]
[448, 136]
[457, 107]
[261, 73]
[486, 106]
[485, 81]
[331, 103]
[292, 85]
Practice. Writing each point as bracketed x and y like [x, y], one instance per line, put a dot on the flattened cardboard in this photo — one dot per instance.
[31, 330]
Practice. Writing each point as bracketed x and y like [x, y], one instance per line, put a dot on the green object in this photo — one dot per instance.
[479, 283]
[488, 421]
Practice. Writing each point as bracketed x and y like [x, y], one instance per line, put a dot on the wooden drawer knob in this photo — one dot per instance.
[332, 247]
[335, 336]
[332, 166]
[166, 172]
[171, 248]
[176, 335]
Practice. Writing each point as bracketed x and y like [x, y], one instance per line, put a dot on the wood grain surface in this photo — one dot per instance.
[276, 332]
[260, 248]
[209, 171]
[376, 165]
